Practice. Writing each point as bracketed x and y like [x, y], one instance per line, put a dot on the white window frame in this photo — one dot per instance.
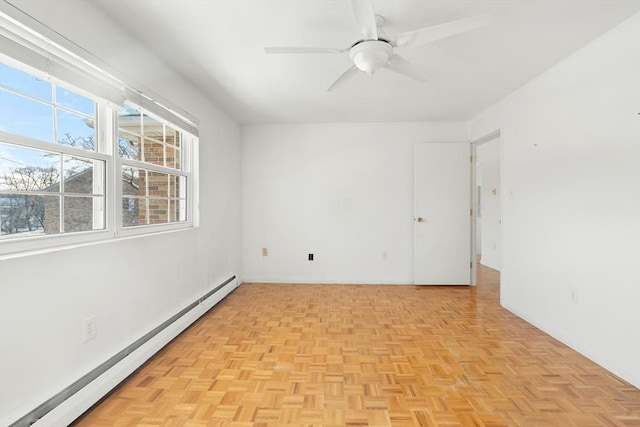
[188, 160]
[18, 244]
[106, 140]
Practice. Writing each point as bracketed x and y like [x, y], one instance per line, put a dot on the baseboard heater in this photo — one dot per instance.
[70, 403]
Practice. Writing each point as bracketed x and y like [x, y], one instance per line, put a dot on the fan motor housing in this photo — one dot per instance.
[371, 55]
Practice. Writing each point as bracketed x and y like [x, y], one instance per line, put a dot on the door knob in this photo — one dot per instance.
[420, 219]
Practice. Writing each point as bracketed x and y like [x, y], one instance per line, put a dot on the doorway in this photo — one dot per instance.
[487, 219]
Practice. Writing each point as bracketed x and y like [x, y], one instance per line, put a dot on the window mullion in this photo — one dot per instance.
[61, 194]
[47, 146]
[153, 168]
[146, 197]
[168, 208]
[110, 146]
[54, 111]
[142, 140]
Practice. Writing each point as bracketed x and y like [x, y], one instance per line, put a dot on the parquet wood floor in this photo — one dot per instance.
[347, 355]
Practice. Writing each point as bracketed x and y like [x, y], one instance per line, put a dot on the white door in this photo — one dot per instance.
[442, 217]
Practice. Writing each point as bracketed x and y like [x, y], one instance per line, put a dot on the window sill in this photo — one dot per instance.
[10, 249]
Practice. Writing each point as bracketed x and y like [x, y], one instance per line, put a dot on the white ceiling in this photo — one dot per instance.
[219, 46]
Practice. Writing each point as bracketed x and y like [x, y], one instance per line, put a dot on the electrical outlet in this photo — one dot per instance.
[89, 328]
[385, 254]
[575, 295]
[310, 257]
[265, 252]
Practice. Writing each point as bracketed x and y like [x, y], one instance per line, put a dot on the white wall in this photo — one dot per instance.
[341, 191]
[571, 199]
[488, 155]
[131, 285]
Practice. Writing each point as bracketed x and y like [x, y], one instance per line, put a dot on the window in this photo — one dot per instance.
[154, 176]
[59, 154]
[51, 175]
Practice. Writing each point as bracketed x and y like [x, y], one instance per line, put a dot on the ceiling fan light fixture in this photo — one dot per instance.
[371, 55]
[375, 49]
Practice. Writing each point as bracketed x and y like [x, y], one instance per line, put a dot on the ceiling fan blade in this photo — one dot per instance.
[290, 49]
[400, 65]
[365, 18]
[344, 77]
[437, 32]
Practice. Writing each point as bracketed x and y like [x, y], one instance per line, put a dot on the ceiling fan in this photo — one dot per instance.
[377, 50]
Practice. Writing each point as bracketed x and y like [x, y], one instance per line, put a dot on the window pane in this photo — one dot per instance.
[25, 83]
[153, 152]
[158, 184]
[131, 214]
[177, 211]
[75, 130]
[173, 211]
[130, 120]
[83, 175]
[74, 101]
[26, 169]
[172, 136]
[128, 146]
[178, 159]
[170, 157]
[79, 213]
[177, 184]
[158, 211]
[52, 214]
[153, 128]
[22, 215]
[131, 181]
[26, 117]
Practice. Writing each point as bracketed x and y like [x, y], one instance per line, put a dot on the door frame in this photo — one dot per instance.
[474, 219]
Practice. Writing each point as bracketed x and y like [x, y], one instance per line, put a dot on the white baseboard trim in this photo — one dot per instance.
[81, 400]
